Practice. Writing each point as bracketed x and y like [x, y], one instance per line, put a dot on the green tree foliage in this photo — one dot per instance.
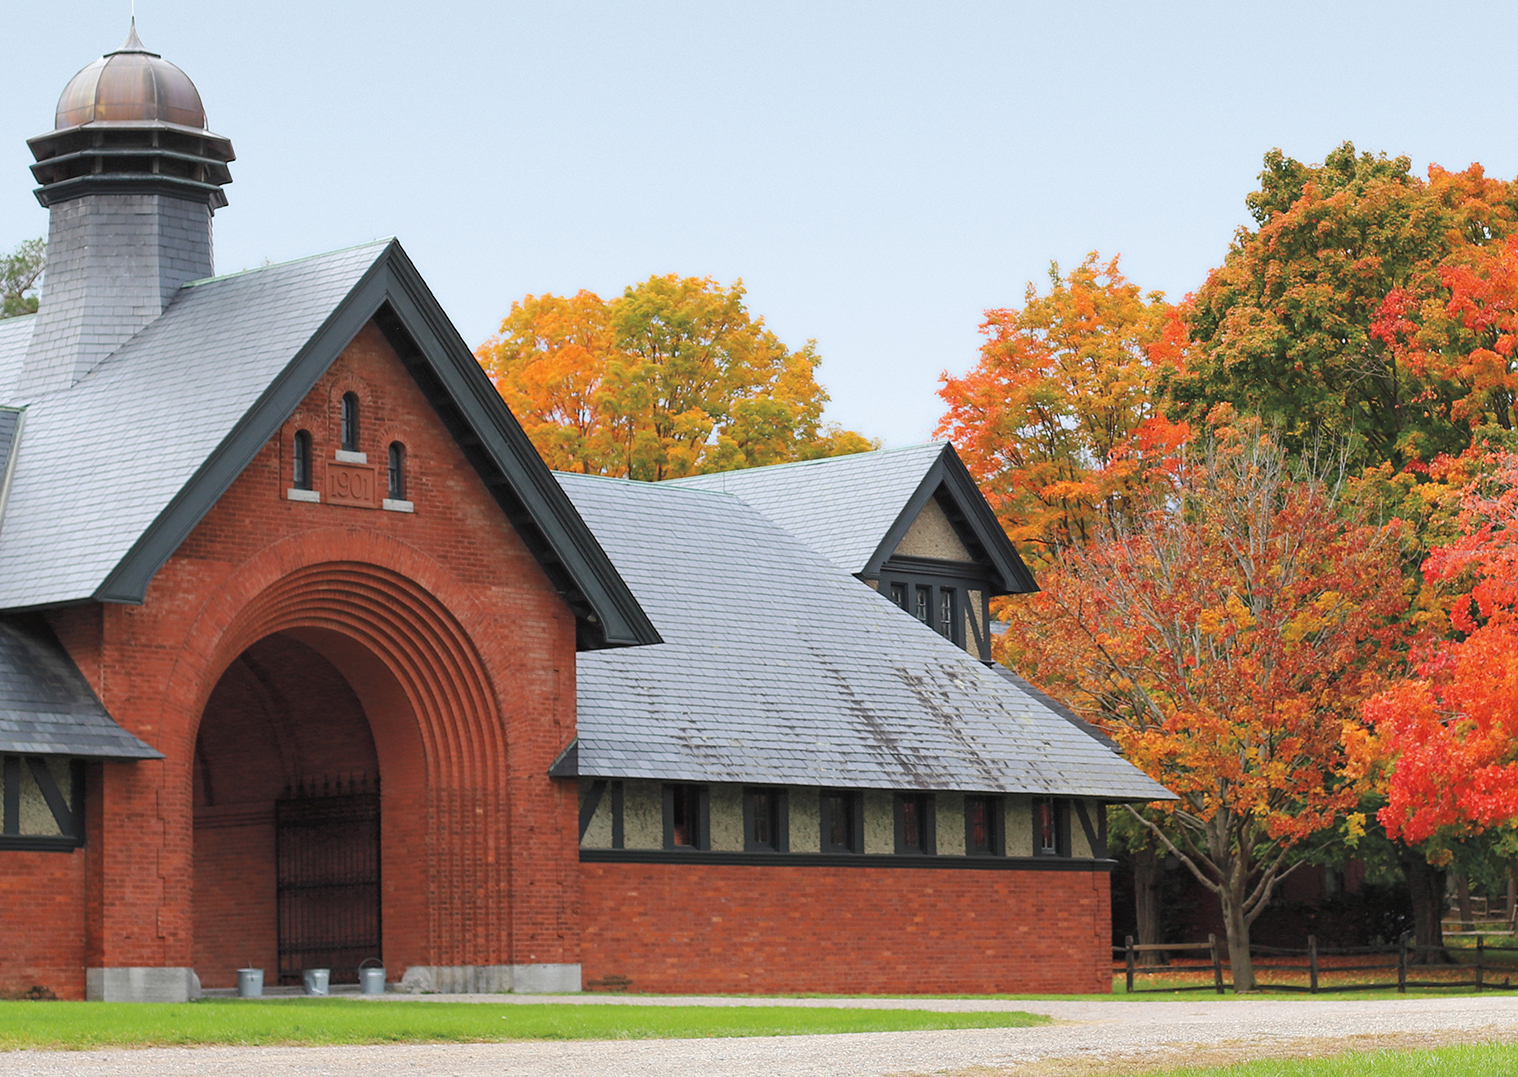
[19, 272]
[1285, 328]
[673, 377]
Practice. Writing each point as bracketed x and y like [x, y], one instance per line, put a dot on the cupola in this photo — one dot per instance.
[131, 176]
[131, 121]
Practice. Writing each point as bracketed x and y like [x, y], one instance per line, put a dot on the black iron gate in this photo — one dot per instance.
[327, 852]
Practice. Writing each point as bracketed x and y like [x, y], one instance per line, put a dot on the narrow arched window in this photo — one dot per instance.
[397, 471]
[350, 422]
[300, 461]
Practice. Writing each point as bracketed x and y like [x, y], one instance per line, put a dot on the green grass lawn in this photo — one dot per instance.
[314, 1022]
[1477, 1060]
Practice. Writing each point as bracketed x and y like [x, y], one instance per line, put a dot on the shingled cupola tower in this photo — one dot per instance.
[131, 176]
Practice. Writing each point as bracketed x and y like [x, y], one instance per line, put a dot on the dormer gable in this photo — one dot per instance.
[909, 522]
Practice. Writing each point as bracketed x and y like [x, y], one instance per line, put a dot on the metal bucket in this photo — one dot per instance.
[371, 979]
[316, 981]
[250, 983]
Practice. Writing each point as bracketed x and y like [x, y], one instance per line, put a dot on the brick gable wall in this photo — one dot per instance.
[458, 648]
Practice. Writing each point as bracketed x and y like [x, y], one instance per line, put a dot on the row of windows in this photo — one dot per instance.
[302, 473]
[841, 822]
[933, 605]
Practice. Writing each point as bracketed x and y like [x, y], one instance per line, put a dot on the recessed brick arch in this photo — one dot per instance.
[439, 735]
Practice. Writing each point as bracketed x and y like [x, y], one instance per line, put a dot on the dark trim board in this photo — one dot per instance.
[967, 509]
[843, 860]
[393, 294]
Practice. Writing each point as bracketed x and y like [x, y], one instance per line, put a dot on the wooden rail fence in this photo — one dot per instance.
[1276, 959]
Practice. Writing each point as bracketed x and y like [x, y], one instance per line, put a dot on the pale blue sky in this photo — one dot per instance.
[878, 174]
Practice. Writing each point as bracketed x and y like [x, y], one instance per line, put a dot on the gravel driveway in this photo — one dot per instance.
[1092, 1037]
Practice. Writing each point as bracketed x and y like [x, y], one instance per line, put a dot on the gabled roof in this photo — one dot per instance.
[115, 471]
[779, 667]
[46, 705]
[855, 509]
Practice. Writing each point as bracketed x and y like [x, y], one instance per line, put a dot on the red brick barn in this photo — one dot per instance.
[306, 659]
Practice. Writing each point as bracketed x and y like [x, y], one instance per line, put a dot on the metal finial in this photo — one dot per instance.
[133, 43]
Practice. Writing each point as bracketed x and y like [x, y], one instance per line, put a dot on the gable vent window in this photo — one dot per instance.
[350, 422]
[397, 471]
[300, 461]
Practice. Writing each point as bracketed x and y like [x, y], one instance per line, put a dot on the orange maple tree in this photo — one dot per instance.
[1452, 731]
[1222, 638]
[672, 377]
[1060, 420]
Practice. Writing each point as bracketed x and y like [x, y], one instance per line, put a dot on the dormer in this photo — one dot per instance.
[910, 523]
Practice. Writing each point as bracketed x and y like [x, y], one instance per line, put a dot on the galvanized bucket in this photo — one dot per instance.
[316, 981]
[371, 977]
[250, 983]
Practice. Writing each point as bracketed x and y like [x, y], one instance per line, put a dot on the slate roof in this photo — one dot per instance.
[46, 706]
[841, 506]
[15, 335]
[104, 467]
[778, 666]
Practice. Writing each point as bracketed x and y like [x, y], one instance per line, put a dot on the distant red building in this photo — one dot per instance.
[307, 659]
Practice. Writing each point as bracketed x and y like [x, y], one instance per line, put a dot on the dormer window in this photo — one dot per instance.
[300, 461]
[350, 422]
[397, 472]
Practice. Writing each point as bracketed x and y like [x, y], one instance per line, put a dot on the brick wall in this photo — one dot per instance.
[451, 638]
[42, 922]
[694, 928]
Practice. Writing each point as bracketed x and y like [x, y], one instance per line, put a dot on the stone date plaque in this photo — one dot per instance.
[351, 484]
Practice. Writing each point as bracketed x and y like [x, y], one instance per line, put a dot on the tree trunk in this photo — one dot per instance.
[1463, 895]
[1425, 886]
[1146, 896]
[1240, 963]
[1512, 899]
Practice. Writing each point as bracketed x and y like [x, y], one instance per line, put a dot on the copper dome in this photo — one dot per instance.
[131, 85]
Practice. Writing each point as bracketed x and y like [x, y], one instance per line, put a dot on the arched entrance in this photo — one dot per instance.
[287, 820]
[371, 680]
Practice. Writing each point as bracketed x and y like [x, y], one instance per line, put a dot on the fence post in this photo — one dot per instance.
[1480, 961]
[1217, 964]
[1312, 964]
[1128, 946]
[1402, 964]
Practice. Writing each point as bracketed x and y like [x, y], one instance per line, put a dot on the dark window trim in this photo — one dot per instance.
[996, 810]
[702, 836]
[781, 823]
[1061, 829]
[618, 825]
[929, 824]
[300, 460]
[957, 576]
[395, 463]
[349, 428]
[846, 860]
[855, 801]
[68, 813]
[1096, 836]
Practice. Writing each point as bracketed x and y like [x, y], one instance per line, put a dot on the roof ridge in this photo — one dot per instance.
[664, 485]
[289, 262]
[808, 463]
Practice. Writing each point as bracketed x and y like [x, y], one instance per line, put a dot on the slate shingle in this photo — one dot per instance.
[779, 667]
[841, 506]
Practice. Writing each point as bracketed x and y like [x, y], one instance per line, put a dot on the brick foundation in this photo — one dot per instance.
[722, 928]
